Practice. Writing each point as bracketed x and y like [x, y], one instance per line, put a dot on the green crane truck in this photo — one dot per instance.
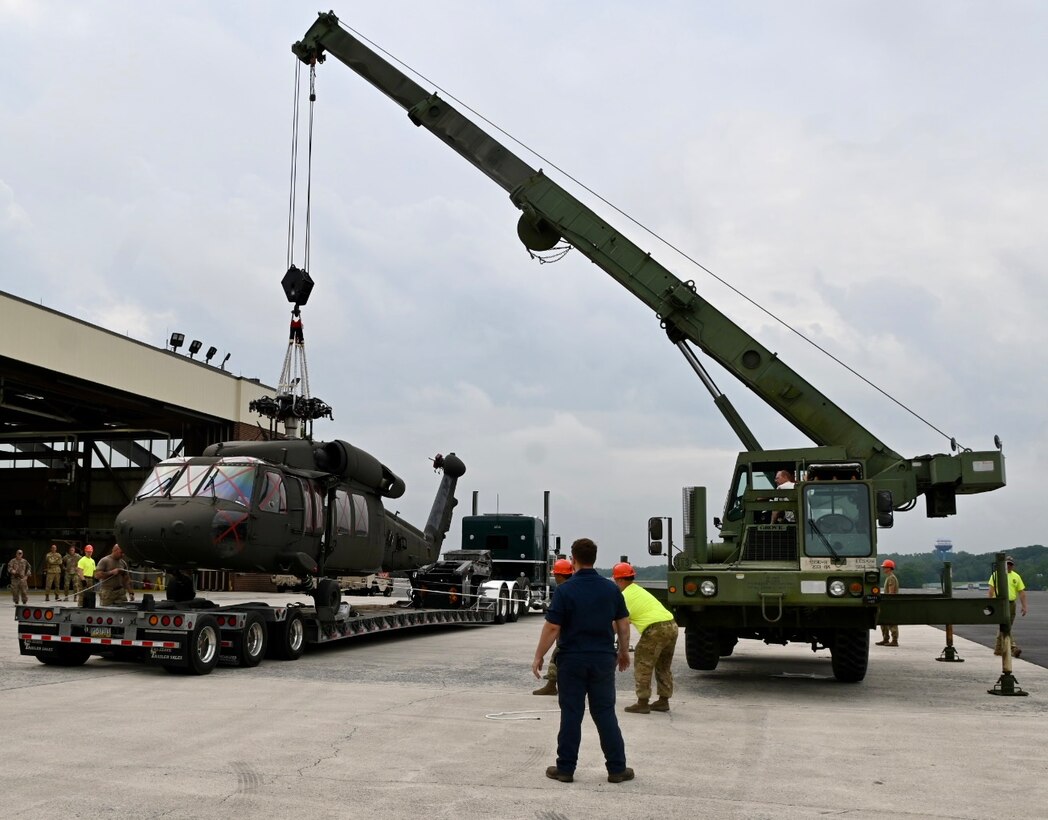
[793, 563]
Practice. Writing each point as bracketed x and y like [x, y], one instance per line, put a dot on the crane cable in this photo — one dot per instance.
[292, 197]
[659, 238]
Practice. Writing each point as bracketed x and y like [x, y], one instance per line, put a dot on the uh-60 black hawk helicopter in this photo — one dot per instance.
[289, 506]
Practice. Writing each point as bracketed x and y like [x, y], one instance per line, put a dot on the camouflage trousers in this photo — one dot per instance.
[551, 670]
[52, 581]
[890, 632]
[20, 589]
[72, 586]
[654, 654]
[108, 597]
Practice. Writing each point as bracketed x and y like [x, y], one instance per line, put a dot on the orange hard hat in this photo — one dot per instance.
[562, 566]
[888, 563]
[89, 548]
[623, 570]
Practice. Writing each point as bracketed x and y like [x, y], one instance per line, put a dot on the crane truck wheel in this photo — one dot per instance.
[701, 648]
[253, 643]
[287, 640]
[850, 654]
[726, 643]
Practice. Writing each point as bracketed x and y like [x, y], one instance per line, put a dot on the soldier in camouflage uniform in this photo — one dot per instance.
[562, 571]
[72, 577]
[18, 568]
[52, 572]
[658, 639]
[114, 578]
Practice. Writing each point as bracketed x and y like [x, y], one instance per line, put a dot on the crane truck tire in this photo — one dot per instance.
[850, 654]
[287, 640]
[701, 648]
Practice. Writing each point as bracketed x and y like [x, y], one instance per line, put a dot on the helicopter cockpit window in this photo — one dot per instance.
[230, 482]
[360, 515]
[158, 481]
[273, 497]
[188, 480]
[837, 519]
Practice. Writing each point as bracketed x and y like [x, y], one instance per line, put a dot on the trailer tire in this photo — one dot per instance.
[701, 648]
[65, 656]
[502, 605]
[203, 646]
[850, 654]
[287, 640]
[726, 644]
[254, 641]
[513, 610]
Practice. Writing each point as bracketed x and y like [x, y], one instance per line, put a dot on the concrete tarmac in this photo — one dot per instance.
[442, 724]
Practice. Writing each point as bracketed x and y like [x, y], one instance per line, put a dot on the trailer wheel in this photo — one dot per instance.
[502, 606]
[253, 643]
[513, 610]
[287, 640]
[850, 654]
[203, 645]
[701, 648]
[65, 656]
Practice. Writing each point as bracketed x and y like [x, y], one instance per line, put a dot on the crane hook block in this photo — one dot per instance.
[297, 284]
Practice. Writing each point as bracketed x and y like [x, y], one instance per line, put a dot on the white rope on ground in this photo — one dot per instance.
[522, 715]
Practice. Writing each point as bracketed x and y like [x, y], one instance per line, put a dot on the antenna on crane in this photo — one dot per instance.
[293, 403]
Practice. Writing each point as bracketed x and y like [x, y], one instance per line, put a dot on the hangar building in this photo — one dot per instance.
[84, 415]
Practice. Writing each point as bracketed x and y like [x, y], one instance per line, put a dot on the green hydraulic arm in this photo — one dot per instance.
[551, 215]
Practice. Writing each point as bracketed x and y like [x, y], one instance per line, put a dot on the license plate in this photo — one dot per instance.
[101, 632]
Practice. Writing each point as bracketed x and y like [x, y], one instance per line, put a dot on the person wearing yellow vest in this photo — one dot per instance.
[85, 570]
[658, 639]
[1016, 589]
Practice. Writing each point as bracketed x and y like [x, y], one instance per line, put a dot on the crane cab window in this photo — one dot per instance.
[837, 519]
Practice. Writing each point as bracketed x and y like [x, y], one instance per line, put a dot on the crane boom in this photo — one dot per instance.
[550, 214]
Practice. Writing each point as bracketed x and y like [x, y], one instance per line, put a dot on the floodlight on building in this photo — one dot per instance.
[194, 348]
[211, 351]
[176, 340]
[226, 359]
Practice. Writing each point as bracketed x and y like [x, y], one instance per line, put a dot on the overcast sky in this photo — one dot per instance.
[876, 173]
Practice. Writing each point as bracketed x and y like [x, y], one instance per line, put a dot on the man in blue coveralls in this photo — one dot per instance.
[584, 619]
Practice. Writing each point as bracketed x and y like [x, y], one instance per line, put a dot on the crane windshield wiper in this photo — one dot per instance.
[815, 529]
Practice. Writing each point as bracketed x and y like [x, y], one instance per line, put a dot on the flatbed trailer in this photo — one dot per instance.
[193, 637]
